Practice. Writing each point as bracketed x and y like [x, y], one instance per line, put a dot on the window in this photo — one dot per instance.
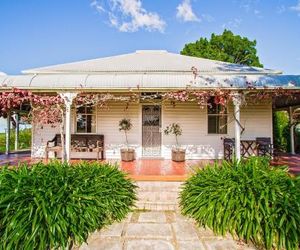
[216, 117]
[86, 120]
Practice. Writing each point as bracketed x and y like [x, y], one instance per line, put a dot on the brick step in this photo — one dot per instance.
[158, 196]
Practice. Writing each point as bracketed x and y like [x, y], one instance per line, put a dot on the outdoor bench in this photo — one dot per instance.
[261, 146]
[79, 143]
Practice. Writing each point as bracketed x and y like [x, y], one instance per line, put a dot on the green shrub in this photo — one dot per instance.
[24, 140]
[50, 206]
[249, 199]
[281, 131]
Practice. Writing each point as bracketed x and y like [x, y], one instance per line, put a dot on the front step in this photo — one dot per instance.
[158, 195]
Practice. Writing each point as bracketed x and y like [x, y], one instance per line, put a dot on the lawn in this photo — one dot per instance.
[24, 140]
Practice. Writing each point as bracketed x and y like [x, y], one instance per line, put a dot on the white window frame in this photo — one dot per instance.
[216, 115]
[95, 111]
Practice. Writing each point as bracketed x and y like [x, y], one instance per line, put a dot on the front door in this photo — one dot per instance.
[151, 134]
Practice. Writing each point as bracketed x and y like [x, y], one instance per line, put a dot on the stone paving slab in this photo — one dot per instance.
[103, 244]
[206, 233]
[128, 218]
[154, 217]
[159, 231]
[191, 245]
[149, 230]
[218, 244]
[149, 245]
[114, 230]
[185, 231]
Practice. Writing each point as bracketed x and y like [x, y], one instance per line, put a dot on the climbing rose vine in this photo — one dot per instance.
[49, 109]
[10, 100]
[44, 109]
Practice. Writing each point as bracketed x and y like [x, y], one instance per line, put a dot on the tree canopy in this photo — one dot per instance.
[226, 47]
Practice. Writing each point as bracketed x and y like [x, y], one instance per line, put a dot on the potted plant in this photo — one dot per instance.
[178, 154]
[127, 154]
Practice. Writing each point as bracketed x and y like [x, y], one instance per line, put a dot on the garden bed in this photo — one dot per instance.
[251, 200]
[56, 205]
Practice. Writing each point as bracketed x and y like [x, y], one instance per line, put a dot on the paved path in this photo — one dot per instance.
[159, 231]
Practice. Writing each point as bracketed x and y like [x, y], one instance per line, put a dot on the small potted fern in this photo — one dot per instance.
[127, 154]
[178, 153]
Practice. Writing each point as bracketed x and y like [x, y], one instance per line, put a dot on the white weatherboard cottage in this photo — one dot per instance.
[147, 72]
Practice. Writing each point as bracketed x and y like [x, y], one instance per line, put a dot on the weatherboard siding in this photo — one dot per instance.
[108, 125]
[195, 139]
[257, 120]
[40, 136]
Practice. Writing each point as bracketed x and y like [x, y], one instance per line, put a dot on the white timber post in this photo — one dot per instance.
[17, 119]
[7, 134]
[237, 99]
[292, 141]
[68, 98]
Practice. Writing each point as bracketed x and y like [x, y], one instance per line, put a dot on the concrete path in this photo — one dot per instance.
[159, 231]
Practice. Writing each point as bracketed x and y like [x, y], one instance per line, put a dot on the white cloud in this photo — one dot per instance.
[95, 4]
[186, 13]
[281, 9]
[235, 23]
[251, 7]
[208, 18]
[257, 13]
[246, 7]
[113, 20]
[296, 7]
[130, 16]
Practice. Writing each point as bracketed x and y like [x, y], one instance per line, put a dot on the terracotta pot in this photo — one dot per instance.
[127, 154]
[178, 155]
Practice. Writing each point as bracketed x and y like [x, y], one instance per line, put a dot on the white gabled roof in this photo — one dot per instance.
[147, 70]
[149, 61]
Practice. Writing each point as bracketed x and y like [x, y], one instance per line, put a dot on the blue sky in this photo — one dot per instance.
[37, 33]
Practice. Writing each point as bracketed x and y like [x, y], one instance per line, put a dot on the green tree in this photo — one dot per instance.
[226, 47]
[281, 131]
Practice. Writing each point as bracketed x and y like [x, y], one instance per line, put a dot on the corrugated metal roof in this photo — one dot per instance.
[161, 81]
[150, 61]
[147, 70]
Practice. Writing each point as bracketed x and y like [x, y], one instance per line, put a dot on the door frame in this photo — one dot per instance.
[161, 128]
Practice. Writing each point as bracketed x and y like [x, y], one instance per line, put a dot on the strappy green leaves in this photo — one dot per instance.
[250, 200]
[51, 206]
